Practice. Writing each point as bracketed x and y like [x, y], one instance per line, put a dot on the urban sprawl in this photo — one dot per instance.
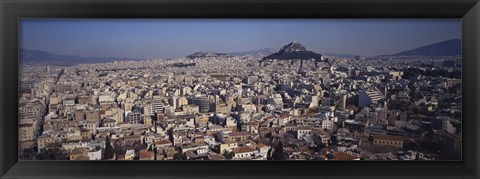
[243, 108]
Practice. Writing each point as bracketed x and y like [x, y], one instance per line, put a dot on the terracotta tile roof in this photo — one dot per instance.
[260, 145]
[320, 132]
[163, 142]
[284, 116]
[269, 117]
[304, 149]
[343, 156]
[214, 156]
[145, 154]
[243, 150]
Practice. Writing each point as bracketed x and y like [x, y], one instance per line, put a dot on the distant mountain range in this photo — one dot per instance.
[42, 57]
[293, 50]
[260, 52]
[451, 47]
[206, 55]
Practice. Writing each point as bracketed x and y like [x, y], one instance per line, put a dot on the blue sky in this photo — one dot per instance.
[170, 38]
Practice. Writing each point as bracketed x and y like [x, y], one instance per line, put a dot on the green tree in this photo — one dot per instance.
[179, 156]
[278, 153]
[228, 155]
[119, 150]
[269, 154]
[108, 152]
[27, 154]
[333, 140]
[319, 145]
[52, 154]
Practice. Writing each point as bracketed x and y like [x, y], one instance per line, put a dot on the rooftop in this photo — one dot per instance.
[243, 150]
[388, 137]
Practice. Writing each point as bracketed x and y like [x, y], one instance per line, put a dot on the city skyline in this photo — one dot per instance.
[297, 103]
[174, 38]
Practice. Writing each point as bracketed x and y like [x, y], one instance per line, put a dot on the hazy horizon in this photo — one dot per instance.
[172, 38]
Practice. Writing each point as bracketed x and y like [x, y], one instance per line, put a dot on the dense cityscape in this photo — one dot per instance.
[291, 105]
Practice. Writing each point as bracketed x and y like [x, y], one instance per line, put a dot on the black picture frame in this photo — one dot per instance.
[12, 10]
